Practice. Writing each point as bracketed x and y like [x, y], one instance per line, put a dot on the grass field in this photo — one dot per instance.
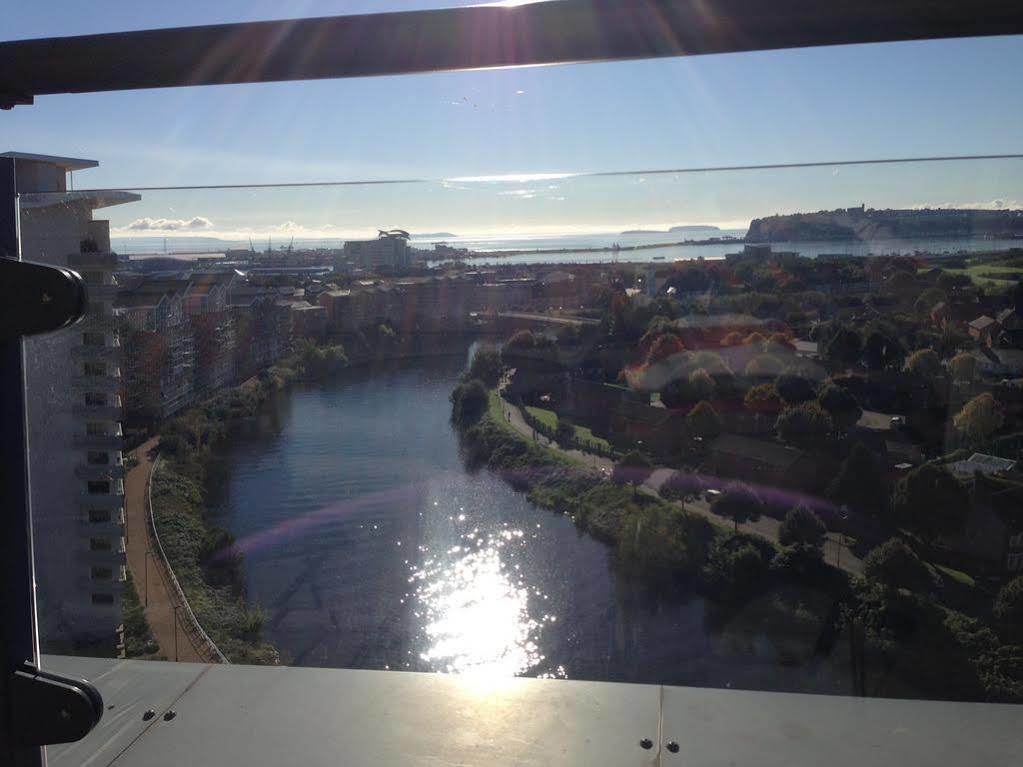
[956, 575]
[976, 273]
[546, 417]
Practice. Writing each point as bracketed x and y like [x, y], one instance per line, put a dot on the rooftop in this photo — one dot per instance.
[67, 163]
[982, 462]
[771, 453]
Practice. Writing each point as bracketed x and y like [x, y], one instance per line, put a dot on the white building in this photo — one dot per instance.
[389, 250]
[74, 411]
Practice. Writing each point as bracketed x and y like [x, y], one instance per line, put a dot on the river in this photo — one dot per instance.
[369, 546]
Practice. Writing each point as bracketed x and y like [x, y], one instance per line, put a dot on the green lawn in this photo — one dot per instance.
[957, 575]
[976, 273]
[584, 435]
[546, 417]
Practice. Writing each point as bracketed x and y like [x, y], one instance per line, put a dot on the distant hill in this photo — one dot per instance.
[675, 230]
[869, 224]
[434, 236]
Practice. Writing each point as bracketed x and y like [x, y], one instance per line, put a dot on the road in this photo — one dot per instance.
[151, 581]
[835, 551]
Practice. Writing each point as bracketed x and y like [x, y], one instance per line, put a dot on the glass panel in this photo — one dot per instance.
[752, 428]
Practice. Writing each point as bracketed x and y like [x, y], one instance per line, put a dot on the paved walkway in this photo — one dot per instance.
[151, 580]
[835, 551]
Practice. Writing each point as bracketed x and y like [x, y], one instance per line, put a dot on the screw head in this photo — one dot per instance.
[148, 715]
[672, 746]
[646, 743]
[170, 715]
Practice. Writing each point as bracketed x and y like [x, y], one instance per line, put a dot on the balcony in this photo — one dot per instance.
[104, 383]
[99, 441]
[89, 471]
[107, 261]
[113, 557]
[101, 500]
[97, 586]
[98, 412]
[89, 353]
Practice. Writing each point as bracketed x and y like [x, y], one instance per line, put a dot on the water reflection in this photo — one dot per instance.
[476, 613]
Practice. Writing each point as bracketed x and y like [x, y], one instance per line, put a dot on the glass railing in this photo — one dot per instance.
[634, 427]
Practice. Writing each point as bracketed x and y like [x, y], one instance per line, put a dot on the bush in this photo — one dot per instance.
[738, 566]
[486, 366]
[1008, 607]
[633, 469]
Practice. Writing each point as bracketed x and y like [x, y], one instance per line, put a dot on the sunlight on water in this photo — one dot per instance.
[475, 609]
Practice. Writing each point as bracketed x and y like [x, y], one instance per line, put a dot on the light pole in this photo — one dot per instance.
[175, 633]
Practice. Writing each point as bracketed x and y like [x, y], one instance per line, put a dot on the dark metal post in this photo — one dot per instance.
[18, 639]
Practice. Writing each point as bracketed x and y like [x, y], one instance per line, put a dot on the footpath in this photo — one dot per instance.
[836, 551]
[147, 570]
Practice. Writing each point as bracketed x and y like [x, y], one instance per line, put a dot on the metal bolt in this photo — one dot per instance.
[672, 746]
[170, 715]
[646, 743]
[148, 715]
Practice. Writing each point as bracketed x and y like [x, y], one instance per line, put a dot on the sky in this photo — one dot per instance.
[534, 125]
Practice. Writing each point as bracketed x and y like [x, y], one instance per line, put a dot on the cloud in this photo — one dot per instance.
[169, 224]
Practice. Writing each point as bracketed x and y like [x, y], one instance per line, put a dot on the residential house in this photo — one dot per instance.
[983, 329]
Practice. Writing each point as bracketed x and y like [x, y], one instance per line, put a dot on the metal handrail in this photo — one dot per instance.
[218, 656]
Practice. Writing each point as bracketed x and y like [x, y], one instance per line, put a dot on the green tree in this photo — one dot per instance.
[795, 389]
[703, 421]
[839, 403]
[931, 502]
[805, 426]
[844, 347]
[764, 366]
[666, 345]
[980, 418]
[860, 483]
[632, 469]
[895, 565]
[763, 399]
[486, 366]
[738, 566]
[881, 351]
[963, 367]
[469, 401]
[1008, 608]
[801, 527]
[702, 384]
[738, 503]
[924, 363]
[521, 341]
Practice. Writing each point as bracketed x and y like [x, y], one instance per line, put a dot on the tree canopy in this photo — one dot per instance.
[632, 469]
[486, 366]
[963, 367]
[895, 565]
[980, 418]
[860, 483]
[665, 346]
[931, 502]
[925, 363]
[469, 402]
[801, 526]
[763, 399]
[839, 403]
[703, 421]
[805, 426]
[795, 389]
[738, 503]
[1008, 608]
[844, 346]
[882, 351]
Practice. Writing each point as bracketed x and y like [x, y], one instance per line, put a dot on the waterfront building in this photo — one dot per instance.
[73, 382]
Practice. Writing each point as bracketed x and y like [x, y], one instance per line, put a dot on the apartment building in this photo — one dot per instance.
[388, 251]
[74, 410]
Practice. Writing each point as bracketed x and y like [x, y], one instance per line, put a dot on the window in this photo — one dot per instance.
[103, 599]
[100, 544]
[98, 458]
[94, 428]
[95, 368]
[95, 400]
[98, 573]
[98, 516]
[98, 487]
